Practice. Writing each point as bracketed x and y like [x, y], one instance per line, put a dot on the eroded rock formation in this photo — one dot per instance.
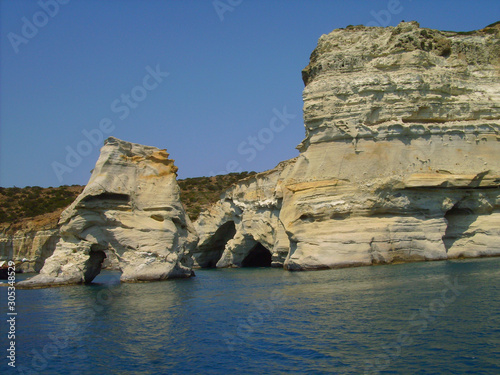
[401, 160]
[243, 228]
[28, 247]
[131, 209]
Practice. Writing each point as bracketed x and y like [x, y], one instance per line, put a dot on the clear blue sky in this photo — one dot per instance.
[230, 72]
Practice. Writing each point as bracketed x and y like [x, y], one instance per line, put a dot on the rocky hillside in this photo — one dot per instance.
[19, 204]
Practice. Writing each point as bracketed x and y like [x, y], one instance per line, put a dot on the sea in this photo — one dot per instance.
[415, 318]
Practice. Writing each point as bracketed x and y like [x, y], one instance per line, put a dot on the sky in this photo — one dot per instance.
[216, 83]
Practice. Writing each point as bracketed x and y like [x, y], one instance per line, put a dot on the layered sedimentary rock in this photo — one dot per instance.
[28, 247]
[130, 209]
[401, 160]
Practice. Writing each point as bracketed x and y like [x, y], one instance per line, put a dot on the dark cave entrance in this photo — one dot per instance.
[93, 264]
[218, 243]
[459, 220]
[258, 256]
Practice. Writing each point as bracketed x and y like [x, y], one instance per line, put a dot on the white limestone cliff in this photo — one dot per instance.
[131, 209]
[401, 160]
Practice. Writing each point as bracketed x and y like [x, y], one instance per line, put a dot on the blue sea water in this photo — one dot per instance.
[419, 318]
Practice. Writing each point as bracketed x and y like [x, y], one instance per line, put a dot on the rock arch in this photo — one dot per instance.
[210, 253]
[94, 263]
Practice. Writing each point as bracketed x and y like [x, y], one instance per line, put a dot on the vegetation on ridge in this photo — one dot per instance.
[17, 204]
[20, 204]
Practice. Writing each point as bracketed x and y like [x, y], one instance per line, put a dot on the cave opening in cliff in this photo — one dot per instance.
[258, 256]
[218, 243]
[459, 220]
[94, 263]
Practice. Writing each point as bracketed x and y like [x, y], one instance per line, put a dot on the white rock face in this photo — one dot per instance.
[31, 247]
[243, 228]
[131, 209]
[401, 160]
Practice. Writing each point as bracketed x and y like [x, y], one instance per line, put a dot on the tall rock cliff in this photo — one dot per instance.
[401, 160]
[130, 208]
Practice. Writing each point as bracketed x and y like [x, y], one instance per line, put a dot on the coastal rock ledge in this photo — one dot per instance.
[131, 209]
[401, 160]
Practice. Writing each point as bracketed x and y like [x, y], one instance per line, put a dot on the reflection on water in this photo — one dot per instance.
[426, 318]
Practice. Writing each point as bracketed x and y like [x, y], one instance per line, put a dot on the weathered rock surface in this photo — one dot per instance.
[28, 241]
[243, 228]
[28, 247]
[131, 209]
[401, 160]
[31, 246]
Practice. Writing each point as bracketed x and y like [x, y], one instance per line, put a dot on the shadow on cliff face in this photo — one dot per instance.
[459, 220]
[258, 256]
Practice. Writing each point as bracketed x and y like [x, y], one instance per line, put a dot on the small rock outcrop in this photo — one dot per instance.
[130, 209]
[400, 160]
